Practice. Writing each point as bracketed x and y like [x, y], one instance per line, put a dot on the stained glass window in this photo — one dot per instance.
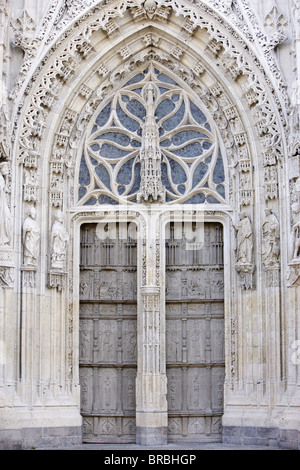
[191, 161]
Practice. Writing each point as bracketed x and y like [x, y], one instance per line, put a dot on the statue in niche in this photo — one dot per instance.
[296, 235]
[270, 242]
[59, 239]
[296, 221]
[244, 240]
[31, 238]
[5, 216]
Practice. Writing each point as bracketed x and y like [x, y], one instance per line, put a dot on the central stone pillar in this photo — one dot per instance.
[151, 382]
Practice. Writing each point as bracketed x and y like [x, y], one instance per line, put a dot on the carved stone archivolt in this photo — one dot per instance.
[72, 58]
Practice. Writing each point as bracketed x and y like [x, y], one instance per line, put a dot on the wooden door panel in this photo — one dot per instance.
[107, 337]
[195, 336]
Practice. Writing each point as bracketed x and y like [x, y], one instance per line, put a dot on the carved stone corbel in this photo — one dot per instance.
[246, 275]
[28, 276]
[293, 274]
[56, 280]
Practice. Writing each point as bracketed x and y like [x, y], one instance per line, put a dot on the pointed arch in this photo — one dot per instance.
[235, 85]
[210, 57]
[221, 73]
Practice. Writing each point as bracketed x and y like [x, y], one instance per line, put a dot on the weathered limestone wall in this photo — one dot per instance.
[241, 60]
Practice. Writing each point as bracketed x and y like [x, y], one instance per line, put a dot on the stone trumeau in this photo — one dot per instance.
[150, 222]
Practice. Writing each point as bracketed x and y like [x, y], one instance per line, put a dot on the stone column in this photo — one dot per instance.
[151, 384]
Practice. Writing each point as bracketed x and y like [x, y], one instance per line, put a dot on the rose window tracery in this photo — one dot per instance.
[151, 142]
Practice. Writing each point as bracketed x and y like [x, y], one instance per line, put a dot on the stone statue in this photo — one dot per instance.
[296, 220]
[5, 216]
[244, 240]
[296, 235]
[270, 242]
[31, 238]
[59, 239]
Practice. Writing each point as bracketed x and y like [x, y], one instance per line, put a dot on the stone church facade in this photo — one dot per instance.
[150, 222]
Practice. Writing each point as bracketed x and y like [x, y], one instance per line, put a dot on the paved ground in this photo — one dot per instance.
[106, 448]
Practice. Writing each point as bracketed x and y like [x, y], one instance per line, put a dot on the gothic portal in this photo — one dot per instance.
[149, 238]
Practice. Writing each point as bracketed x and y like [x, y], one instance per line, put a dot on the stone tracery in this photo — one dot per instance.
[190, 155]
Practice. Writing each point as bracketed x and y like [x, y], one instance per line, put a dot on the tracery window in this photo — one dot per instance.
[151, 121]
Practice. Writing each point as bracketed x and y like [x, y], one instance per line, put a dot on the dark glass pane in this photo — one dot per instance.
[175, 120]
[84, 174]
[165, 78]
[184, 136]
[218, 175]
[103, 175]
[196, 199]
[117, 137]
[197, 114]
[103, 199]
[221, 190]
[199, 173]
[136, 108]
[137, 78]
[110, 151]
[164, 108]
[212, 200]
[103, 115]
[90, 202]
[177, 172]
[129, 123]
[190, 150]
[125, 173]
[181, 189]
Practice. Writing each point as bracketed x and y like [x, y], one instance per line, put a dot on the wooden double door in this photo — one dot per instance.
[194, 335]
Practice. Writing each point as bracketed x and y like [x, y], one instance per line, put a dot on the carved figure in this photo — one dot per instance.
[270, 243]
[296, 220]
[244, 240]
[5, 216]
[59, 239]
[150, 7]
[296, 235]
[31, 237]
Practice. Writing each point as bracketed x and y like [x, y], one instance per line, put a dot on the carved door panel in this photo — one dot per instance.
[107, 335]
[195, 334]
